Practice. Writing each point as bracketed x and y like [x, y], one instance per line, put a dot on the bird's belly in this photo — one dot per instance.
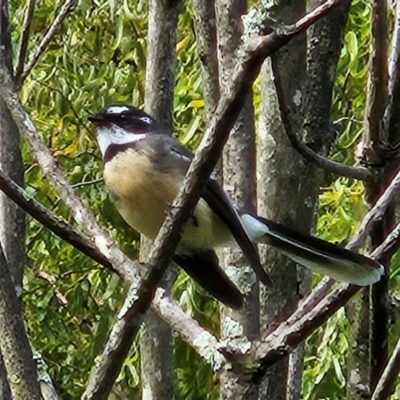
[143, 195]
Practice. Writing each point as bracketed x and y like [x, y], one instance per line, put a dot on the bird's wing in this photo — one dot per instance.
[222, 206]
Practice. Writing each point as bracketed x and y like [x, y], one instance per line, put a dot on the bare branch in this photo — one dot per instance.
[390, 245]
[377, 95]
[117, 347]
[46, 39]
[320, 161]
[386, 383]
[26, 27]
[373, 153]
[392, 115]
[14, 343]
[376, 212]
[50, 221]
[206, 42]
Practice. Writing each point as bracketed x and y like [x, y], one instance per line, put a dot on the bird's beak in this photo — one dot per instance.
[95, 119]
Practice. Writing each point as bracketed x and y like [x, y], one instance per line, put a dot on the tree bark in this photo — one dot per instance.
[239, 180]
[288, 185]
[206, 40]
[12, 218]
[157, 358]
[286, 190]
[14, 343]
[369, 332]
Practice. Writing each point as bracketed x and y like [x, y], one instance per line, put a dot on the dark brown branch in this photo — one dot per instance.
[375, 154]
[385, 385]
[46, 39]
[320, 161]
[376, 212]
[51, 222]
[26, 27]
[392, 115]
[377, 95]
[14, 343]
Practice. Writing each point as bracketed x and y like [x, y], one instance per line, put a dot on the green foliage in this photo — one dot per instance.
[97, 58]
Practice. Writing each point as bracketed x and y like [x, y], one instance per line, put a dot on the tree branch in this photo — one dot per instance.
[320, 161]
[26, 27]
[385, 385]
[392, 114]
[14, 343]
[377, 96]
[46, 39]
[51, 222]
[376, 212]
[206, 43]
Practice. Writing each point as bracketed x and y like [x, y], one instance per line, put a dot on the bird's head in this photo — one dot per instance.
[122, 124]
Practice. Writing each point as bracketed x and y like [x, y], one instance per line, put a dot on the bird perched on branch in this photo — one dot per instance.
[144, 168]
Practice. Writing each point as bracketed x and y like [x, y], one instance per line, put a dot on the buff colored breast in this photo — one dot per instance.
[142, 196]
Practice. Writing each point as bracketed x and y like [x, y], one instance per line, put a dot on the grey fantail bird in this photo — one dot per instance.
[144, 167]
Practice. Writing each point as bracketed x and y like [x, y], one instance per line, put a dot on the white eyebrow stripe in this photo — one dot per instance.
[147, 120]
[117, 109]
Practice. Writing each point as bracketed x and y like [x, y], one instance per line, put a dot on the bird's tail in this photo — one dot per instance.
[316, 254]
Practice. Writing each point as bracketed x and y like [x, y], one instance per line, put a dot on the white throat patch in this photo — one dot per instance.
[113, 134]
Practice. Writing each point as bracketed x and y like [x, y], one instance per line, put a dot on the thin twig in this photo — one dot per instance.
[87, 183]
[376, 212]
[26, 27]
[50, 221]
[340, 169]
[392, 114]
[46, 39]
[385, 385]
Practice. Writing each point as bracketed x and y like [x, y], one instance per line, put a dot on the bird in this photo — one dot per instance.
[144, 166]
